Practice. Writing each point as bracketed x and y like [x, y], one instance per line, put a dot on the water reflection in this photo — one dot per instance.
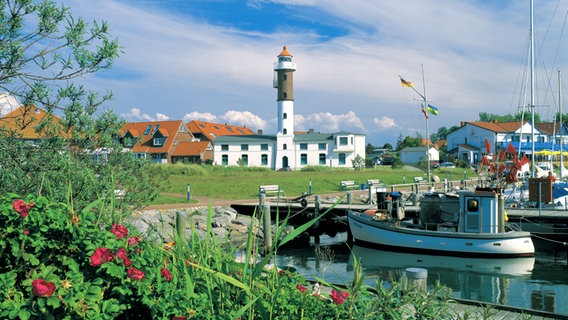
[539, 283]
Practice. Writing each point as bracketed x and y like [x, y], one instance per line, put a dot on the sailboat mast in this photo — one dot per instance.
[532, 86]
[561, 125]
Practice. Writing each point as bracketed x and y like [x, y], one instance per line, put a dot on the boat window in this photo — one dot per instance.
[472, 205]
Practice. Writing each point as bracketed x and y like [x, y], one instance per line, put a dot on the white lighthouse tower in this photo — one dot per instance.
[284, 81]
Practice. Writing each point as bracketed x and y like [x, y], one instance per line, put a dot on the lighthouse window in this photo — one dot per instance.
[285, 147]
[284, 95]
[285, 131]
[284, 77]
[285, 116]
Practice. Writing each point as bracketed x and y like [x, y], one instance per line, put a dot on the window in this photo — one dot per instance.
[264, 146]
[304, 159]
[303, 146]
[284, 77]
[322, 159]
[225, 160]
[155, 129]
[159, 141]
[224, 147]
[244, 147]
[342, 158]
[472, 205]
[322, 146]
[284, 95]
[285, 131]
[147, 129]
[285, 116]
[245, 159]
[263, 159]
[342, 141]
[285, 147]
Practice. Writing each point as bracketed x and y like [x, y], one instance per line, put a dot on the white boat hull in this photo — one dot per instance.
[385, 234]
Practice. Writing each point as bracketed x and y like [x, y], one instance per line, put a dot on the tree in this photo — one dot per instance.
[43, 48]
[525, 115]
[409, 142]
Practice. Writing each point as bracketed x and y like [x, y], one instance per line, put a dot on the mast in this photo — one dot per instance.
[561, 125]
[426, 114]
[532, 86]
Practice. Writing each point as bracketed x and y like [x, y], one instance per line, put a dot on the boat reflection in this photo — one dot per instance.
[489, 280]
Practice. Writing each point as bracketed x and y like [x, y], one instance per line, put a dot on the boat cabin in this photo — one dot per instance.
[467, 211]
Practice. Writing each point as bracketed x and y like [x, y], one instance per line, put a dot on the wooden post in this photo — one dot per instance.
[267, 223]
[316, 214]
[417, 278]
[501, 215]
[181, 218]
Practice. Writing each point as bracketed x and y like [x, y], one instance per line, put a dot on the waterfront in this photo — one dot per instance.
[539, 283]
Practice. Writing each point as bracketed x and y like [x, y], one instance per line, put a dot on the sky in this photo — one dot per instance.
[212, 60]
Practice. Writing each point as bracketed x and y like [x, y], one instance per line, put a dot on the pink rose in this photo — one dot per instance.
[135, 274]
[301, 288]
[21, 207]
[338, 297]
[166, 274]
[132, 241]
[101, 255]
[119, 230]
[121, 254]
[42, 288]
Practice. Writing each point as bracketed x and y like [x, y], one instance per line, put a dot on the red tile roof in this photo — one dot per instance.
[211, 130]
[24, 120]
[147, 131]
[191, 148]
[495, 126]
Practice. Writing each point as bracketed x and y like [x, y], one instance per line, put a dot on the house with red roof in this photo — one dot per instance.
[203, 130]
[165, 142]
[467, 143]
[24, 123]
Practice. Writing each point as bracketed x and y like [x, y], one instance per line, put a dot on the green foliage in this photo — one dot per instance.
[78, 160]
[316, 169]
[358, 163]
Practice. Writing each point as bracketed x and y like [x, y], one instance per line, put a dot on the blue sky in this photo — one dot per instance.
[212, 60]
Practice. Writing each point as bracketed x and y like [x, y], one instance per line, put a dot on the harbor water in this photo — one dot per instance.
[539, 283]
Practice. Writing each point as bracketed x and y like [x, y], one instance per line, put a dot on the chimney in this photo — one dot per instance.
[495, 121]
[311, 131]
[462, 123]
[260, 131]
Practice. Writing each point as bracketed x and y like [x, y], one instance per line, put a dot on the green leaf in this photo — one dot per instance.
[24, 314]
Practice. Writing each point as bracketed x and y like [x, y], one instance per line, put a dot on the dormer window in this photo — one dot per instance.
[159, 142]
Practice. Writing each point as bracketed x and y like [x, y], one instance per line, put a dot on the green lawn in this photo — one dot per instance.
[241, 183]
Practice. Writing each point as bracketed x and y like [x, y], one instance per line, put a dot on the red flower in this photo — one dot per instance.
[26, 232]
[179, 318]
[21, 207]
[135, 274]
[119, 230]
[121, 254]
[339, 297]
[101, 255]
[42, 288]
[301, 288]
[166, 274]
[132, 241]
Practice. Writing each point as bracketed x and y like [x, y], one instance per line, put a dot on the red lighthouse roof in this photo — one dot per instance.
[285, 52]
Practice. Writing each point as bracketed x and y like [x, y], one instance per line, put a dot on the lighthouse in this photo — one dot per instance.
[284, 81]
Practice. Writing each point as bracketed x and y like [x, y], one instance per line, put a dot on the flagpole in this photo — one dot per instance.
[425, 106]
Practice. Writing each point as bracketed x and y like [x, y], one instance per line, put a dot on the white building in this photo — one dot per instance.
[288, 149]
[413, 155]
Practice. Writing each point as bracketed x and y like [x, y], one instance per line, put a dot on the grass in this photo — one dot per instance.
[233, 183]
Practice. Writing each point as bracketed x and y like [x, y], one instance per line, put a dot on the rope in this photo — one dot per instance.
[543, 238]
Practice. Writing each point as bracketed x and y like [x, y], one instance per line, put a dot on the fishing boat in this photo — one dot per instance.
[472, 224]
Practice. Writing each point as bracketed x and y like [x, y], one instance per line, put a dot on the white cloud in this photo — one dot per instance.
[244, 118]
[328, 122]
[385, 123]
[207, 117]
[136, 114]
